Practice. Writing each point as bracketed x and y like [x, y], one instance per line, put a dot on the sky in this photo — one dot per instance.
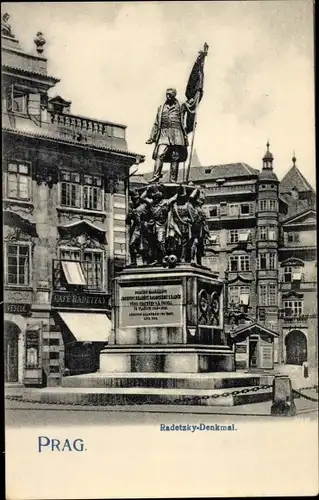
[115, 61]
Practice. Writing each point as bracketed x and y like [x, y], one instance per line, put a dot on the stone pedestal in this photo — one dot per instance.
[168, 320]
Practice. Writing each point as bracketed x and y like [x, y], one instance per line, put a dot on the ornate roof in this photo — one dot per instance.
[295, 179]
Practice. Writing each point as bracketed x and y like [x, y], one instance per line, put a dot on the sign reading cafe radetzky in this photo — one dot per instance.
[150, 306]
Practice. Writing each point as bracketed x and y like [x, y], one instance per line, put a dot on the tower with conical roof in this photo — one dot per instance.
[267, 242]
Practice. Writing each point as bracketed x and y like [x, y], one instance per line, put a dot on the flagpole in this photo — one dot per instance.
[192, 147]
[205, 52]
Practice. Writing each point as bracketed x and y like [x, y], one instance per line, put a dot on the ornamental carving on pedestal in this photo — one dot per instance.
[208, 306]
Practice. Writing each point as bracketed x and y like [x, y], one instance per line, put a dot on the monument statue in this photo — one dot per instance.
[157, 223]
[5, 26]
[169, 135]
[137, 221]
[200, 230]
[167, 224]
[173, 123]
[180, 226]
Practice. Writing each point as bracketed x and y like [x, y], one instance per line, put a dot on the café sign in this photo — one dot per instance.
[150, 306]
[83, 300]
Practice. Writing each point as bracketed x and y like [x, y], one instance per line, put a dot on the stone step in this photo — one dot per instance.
[166, 380]
[140, 396]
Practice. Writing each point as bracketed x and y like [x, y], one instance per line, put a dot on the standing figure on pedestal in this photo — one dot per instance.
[137, 221]
[200, 231]
[169, 135]
[157, 223]
[179, 231]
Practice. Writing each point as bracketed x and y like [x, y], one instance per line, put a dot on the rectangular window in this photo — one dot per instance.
[223, 208]
[244, 262]
[233, 263]
[239, 263]
[272, 261]
[263, 233]
[263, 261]
[16, 100]
[92, 192]
[273, 205]
[267, 294]
[287, 274]
[81, 191]
[244, 209]
[272, 298]
[18, 181]
[213, 211]
[238, 294]
[293, 237]
[263, 205]
[94, 269]
[267, 261]
[262, 289]
[70, 190]
[233, 236]
[234, 210]
[83, 267]
[293, 307]
[272, 233]
[18, 264]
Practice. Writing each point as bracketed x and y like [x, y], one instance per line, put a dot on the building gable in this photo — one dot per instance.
[306, 217]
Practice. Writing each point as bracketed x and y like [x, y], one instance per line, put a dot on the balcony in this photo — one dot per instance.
[77, 276]
[72, 128]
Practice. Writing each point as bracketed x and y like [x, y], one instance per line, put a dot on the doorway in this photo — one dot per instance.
[11, 352]
[296, 348]
[253, 353]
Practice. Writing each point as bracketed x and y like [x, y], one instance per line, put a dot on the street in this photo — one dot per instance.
[26, 414]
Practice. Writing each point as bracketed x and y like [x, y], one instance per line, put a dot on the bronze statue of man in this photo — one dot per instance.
[170, 137]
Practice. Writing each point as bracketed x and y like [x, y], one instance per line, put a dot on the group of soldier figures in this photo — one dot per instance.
[167, 230]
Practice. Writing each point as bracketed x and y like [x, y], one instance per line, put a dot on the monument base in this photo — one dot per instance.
[168, 320]
[172, 360]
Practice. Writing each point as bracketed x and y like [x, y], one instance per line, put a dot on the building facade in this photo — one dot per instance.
[65, 181]
[263, 244]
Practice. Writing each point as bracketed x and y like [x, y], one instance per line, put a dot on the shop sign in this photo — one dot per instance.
[80, 300]
[18, 308]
